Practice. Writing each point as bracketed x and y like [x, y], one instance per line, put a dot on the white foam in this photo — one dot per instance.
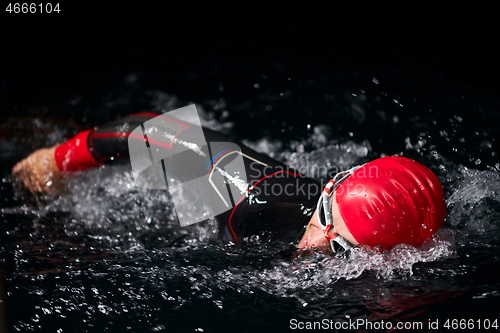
[319, 272]
[474, 203]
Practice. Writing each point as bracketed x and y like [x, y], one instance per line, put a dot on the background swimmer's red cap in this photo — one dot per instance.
[392, 200]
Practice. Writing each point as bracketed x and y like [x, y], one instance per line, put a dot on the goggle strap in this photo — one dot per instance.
[346, 173]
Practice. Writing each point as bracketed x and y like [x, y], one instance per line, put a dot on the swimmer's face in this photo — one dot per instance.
[314, 237]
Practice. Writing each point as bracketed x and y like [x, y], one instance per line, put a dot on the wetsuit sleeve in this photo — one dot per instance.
[105, 144]
[74, 154]
[108, 143]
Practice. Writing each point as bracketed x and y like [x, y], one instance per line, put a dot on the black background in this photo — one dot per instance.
[43, 52]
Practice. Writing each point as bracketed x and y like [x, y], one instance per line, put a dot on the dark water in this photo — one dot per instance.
[103, 258]
[100, 259]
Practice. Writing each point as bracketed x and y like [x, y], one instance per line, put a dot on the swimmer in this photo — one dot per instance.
[383, 203]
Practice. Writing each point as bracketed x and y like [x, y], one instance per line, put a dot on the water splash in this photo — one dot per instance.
[474, 205]
[324, 156]
[307, 277]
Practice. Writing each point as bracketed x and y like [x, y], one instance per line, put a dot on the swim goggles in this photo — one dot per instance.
[338, 243]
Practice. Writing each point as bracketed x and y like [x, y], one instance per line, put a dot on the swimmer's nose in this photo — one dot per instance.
[313, 238]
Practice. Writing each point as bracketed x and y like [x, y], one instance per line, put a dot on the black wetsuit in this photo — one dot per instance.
[279, 201]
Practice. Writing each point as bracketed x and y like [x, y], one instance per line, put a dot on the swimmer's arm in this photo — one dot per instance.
[43, 170]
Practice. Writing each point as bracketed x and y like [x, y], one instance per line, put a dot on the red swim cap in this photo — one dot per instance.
[390, 201]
